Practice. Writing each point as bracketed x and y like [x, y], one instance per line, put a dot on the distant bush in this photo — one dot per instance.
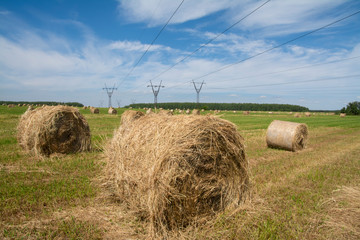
[224, 106]
[74, 104]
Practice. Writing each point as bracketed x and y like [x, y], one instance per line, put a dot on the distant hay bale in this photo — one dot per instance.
[187, 111]
[342, 114]
[149, 111]
[246, 112]
[112, 111]
[307, 114]
[84, 107]
[165, 112]
[297, 115]
[94, 110]
[287, 135]
[175, 170]
[130, 115]
[11, 105]
[195, 112]
[57, 129]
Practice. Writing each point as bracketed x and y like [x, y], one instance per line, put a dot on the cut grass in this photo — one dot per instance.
[62, 197]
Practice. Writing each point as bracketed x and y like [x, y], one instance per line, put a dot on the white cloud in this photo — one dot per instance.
[136, 46]
[262, 96]
[155, 12]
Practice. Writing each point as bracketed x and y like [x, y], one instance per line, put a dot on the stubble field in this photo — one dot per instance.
[310, 194]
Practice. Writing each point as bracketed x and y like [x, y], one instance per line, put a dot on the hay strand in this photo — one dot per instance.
[58, 129]
[130, 115]
[287, 135]
[177, 170]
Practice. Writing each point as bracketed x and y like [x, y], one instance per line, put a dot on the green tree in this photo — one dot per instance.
[352, 108]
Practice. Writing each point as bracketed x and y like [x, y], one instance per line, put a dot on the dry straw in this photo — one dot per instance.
[58, 129]
[130, 115]
[177, 170]
[287, 135]
[342, 114]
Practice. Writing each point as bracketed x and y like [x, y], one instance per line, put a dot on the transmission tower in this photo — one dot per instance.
[156, 90]
[110, 92]
[198, 90]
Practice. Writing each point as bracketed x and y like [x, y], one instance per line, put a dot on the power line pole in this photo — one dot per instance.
[156, 90]
[198, 90]
[110, 92]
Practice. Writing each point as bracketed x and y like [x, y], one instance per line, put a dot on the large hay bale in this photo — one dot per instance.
[176, 170]
[287, 135]
[342, 114]
[94, 110]
[130, 115]
[112, 111]
[57, 129]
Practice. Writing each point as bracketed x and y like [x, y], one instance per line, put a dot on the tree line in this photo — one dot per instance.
[224, 106]
[74, 104]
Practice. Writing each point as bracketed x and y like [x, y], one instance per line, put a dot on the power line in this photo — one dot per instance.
[162, 29]
[287, 83]
[270, 73]
[211, 40]
[280, 45]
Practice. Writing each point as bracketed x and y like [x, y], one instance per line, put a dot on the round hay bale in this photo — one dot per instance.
[84, 107]
[287, 135]
[94, 110]
[165, 112]
[112, 111]
[307, 114]
[57, 129]
[195, 112]
[342, 114]
[130, 115]
[187, 111]
[149, 111]
[297, 115]
[175, 170]
[11, 105]
[246, 112]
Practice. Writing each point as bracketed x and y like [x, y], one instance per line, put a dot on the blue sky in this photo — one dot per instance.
[67, 50]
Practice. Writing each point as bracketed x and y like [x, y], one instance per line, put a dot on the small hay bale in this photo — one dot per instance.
[149, 111]
[84, 107]
[246, 112]
[57, 129]
[287, 135]
[176, 170]
[112, 111]
[165, 112]
[307, 114]
[187, 111]
[130, 115]
[297, 115]
[11, 105]
[342, 115]
[94, 110]
[195, 112]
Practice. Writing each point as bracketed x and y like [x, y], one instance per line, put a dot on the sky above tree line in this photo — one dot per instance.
[68, 50]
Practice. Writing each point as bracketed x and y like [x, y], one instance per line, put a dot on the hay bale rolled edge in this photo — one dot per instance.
[57, 129]
[94, 110]
[176, 169]
[130, 115]
[112, 111]
[287, 135]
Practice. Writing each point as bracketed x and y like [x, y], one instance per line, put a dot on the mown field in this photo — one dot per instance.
[310, 194]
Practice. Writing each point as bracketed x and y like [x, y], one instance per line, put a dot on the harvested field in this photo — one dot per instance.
[295, 195]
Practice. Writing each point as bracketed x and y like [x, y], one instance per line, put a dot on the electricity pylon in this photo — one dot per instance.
[156, 90]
